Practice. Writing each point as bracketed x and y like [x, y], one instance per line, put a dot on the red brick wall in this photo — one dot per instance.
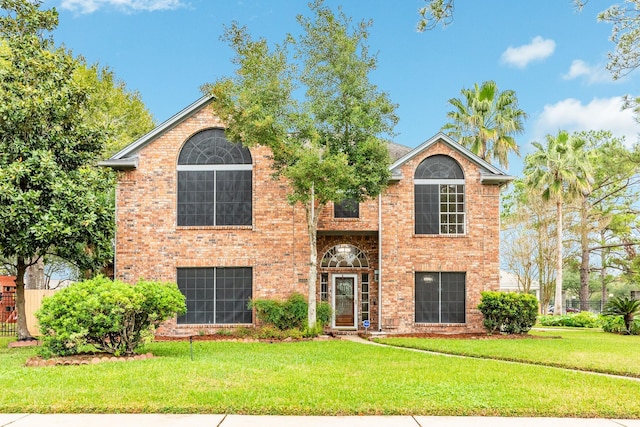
[149, 244]
[404, 252]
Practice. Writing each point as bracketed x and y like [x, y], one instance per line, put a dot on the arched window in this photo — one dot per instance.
[344, 256]
[214, 181]
[439, 196]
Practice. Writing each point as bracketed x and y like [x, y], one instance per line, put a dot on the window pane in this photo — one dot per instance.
[453, 297]
[427, 298]
[233, 197]
[426, 206]
[233, 292]
[196, 198]
[348, 208]
[195, 283]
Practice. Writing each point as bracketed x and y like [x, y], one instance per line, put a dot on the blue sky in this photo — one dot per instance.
[552, 57]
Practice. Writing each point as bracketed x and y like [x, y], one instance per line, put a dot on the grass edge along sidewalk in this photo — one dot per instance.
[588, 350]
[309, 378]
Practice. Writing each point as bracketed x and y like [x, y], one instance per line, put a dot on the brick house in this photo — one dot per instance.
[193, 208]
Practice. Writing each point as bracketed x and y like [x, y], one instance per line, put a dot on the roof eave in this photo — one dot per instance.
[120, 164]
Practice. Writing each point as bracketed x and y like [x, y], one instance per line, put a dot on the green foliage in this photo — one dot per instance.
[120, 113]
[616, 325]
[510, 313]
[626, 307]
[323, 313]
[52, 202]
[290, 314]
[485, 120]
[115, 317]
[332, 143]
[584, 319]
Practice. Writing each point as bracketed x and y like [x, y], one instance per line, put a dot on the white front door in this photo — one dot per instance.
[345, 300]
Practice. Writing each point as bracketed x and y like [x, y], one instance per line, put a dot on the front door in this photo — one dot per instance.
[344, 301]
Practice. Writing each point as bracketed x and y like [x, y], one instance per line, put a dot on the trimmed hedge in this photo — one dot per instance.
[584, 319]
[113, 316]
[509, 313]
[290, 313]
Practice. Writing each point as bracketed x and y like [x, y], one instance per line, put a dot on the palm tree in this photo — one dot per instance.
[485, 120]
[625, 307]
[559, 169]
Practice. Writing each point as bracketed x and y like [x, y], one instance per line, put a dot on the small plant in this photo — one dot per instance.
[509, 313]
[584, 319]
[626, 307]
[112, 316]
[288, 314]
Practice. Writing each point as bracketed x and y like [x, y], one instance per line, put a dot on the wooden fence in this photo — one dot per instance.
[33, 300]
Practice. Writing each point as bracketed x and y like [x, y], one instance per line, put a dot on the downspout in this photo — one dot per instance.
[115, 234]
[379, 262]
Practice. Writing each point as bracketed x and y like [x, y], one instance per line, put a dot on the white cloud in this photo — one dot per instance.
[90, 6]
[521, 56]
[599, 114]
[592, 74]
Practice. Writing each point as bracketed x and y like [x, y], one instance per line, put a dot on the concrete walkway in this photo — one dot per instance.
[165, 420]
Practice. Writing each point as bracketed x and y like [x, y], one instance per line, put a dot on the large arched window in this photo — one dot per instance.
[214, 181]
[439, 196]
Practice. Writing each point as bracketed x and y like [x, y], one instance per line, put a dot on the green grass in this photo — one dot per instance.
[310, 378]
[584, 349]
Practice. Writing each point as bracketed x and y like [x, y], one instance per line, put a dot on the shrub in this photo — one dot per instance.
[113, 316]
[626, 307]
[510, 313]
[323, 314]
[616, 325]
[584, 319]
[290, 313]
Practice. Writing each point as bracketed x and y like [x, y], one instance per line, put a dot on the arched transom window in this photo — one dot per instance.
[439, 196]
[347, 256]
[214, 181]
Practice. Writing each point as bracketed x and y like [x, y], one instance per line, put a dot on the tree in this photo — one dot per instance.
[120, 113]
[327, 146]
[608, 204]
[528, 251]
[484, 121]
[51, 201]
[560, 170]
[625, 34]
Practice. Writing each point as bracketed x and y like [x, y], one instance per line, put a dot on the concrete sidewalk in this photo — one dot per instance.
[175, 420]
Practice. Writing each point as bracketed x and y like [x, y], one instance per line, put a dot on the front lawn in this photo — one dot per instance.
[585, 349]
[311, 378]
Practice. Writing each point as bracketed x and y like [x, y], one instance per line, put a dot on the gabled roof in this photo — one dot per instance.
[127, 158]
[489, 174]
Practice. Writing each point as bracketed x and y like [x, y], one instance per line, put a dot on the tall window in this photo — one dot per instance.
[440, 297]
[439, 196]
[214, 181]
[216, 295]
[364, 296]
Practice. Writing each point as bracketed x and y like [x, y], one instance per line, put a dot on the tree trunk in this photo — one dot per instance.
[603, 273]
[23, 331]
[312, 228]
[585, 255]
[34, 276]
[557, 307]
